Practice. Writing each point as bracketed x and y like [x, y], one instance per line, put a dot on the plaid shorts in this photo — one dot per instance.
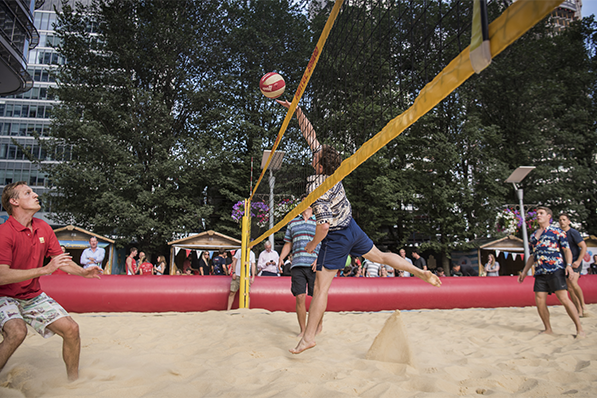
[38, 312]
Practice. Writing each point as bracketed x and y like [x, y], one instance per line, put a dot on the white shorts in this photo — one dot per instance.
[38, 312]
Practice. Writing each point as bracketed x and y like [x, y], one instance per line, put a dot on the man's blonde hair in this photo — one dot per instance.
[9, 193]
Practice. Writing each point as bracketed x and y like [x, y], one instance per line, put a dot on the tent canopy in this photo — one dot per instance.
[509, 243]
[208, 240]
[75, 237]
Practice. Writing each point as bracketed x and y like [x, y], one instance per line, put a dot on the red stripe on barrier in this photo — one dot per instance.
[121, 293]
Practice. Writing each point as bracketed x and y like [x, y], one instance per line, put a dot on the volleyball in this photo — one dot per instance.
[272, 85]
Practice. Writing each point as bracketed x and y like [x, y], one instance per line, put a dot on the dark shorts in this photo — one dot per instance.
[551, 283]
[577, 269]
[303, 280]
[337, 245]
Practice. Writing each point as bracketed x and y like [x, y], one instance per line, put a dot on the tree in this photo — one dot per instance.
[127, 96]
[539, 94]
[161, 106]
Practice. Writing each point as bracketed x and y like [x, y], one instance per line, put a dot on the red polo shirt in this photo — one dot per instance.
[22, 249]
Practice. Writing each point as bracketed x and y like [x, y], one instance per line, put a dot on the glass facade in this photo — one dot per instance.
[25, 117]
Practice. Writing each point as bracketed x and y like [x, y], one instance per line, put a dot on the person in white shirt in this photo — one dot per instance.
[235, 282]
[93, 255]
[268, 261]
[403, 255]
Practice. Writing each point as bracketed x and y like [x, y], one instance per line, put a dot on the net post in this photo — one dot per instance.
[243, 295]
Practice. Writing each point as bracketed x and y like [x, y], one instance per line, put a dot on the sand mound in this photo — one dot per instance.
[391, 344]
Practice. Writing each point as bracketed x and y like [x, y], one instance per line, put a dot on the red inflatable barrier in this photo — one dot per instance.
[121, 293]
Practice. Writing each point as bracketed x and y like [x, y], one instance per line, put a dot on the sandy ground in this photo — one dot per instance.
[244, 353]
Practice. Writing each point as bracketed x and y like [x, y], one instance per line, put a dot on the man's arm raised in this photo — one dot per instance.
[305, 125]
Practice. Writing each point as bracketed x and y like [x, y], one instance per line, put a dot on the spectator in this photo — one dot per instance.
[359, 272]
[464, 270]
[371, 269]
[492, 267]
[403, 255]
[440, 271]
[420, 262]
[286, 268]
[59, 271]
[593, 266]
[160, 267]
[93, 255]
[187, 269]
[131, 264]
[204, 268]
[383, 272]
[219, 263]
[145, 266]
[236, 274]
[268, 261]
[228, 258]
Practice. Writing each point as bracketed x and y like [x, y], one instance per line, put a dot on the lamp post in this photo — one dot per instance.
[515, 178]
[274, 165]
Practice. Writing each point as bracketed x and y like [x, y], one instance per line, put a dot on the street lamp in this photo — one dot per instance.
[274, 165]
[515, 178]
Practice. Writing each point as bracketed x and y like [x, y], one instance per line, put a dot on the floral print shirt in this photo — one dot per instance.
[332, 207]
[547, 250]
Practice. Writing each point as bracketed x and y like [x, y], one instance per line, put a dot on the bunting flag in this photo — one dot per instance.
[506, 254]
[497, 253]
[176, 250]
[522, 256]
[480, 53]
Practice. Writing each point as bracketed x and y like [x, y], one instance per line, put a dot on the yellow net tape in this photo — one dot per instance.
[302, 85]
[513, 23]
[245, 258]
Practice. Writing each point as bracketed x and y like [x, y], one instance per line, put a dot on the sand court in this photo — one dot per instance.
[493, 352]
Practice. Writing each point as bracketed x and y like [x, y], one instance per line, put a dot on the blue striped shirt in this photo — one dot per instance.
[301, 232]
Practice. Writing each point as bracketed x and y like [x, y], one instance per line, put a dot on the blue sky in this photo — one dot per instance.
[589, 7]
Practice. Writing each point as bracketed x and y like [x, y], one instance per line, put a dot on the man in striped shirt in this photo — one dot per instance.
[299, 232]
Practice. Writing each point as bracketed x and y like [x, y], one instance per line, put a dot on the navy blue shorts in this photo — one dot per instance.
[551, 283]
[337, 245]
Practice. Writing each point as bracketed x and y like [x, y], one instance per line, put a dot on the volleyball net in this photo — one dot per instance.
[378, 59]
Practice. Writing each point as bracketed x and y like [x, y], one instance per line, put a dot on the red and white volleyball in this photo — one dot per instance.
[272, 85]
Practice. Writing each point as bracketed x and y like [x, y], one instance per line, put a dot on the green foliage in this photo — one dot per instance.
[163, 114]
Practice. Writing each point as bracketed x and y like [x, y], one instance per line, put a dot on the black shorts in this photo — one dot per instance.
[551, 283]
[303, 280]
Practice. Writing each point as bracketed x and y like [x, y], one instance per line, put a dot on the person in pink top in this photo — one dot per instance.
[145, 267]
[24, 243]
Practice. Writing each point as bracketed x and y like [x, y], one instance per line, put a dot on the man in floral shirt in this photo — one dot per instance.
[547, 244]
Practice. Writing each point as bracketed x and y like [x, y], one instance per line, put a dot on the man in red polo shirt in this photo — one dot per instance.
[24, 243]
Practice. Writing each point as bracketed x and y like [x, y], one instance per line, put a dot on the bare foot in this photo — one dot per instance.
[319, 329]
[300, 335]
[431, 278]
[581, 313]
[302, 346]
[546, 332]
[580, 335]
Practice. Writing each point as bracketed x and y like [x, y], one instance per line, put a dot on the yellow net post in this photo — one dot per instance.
[245, 258]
